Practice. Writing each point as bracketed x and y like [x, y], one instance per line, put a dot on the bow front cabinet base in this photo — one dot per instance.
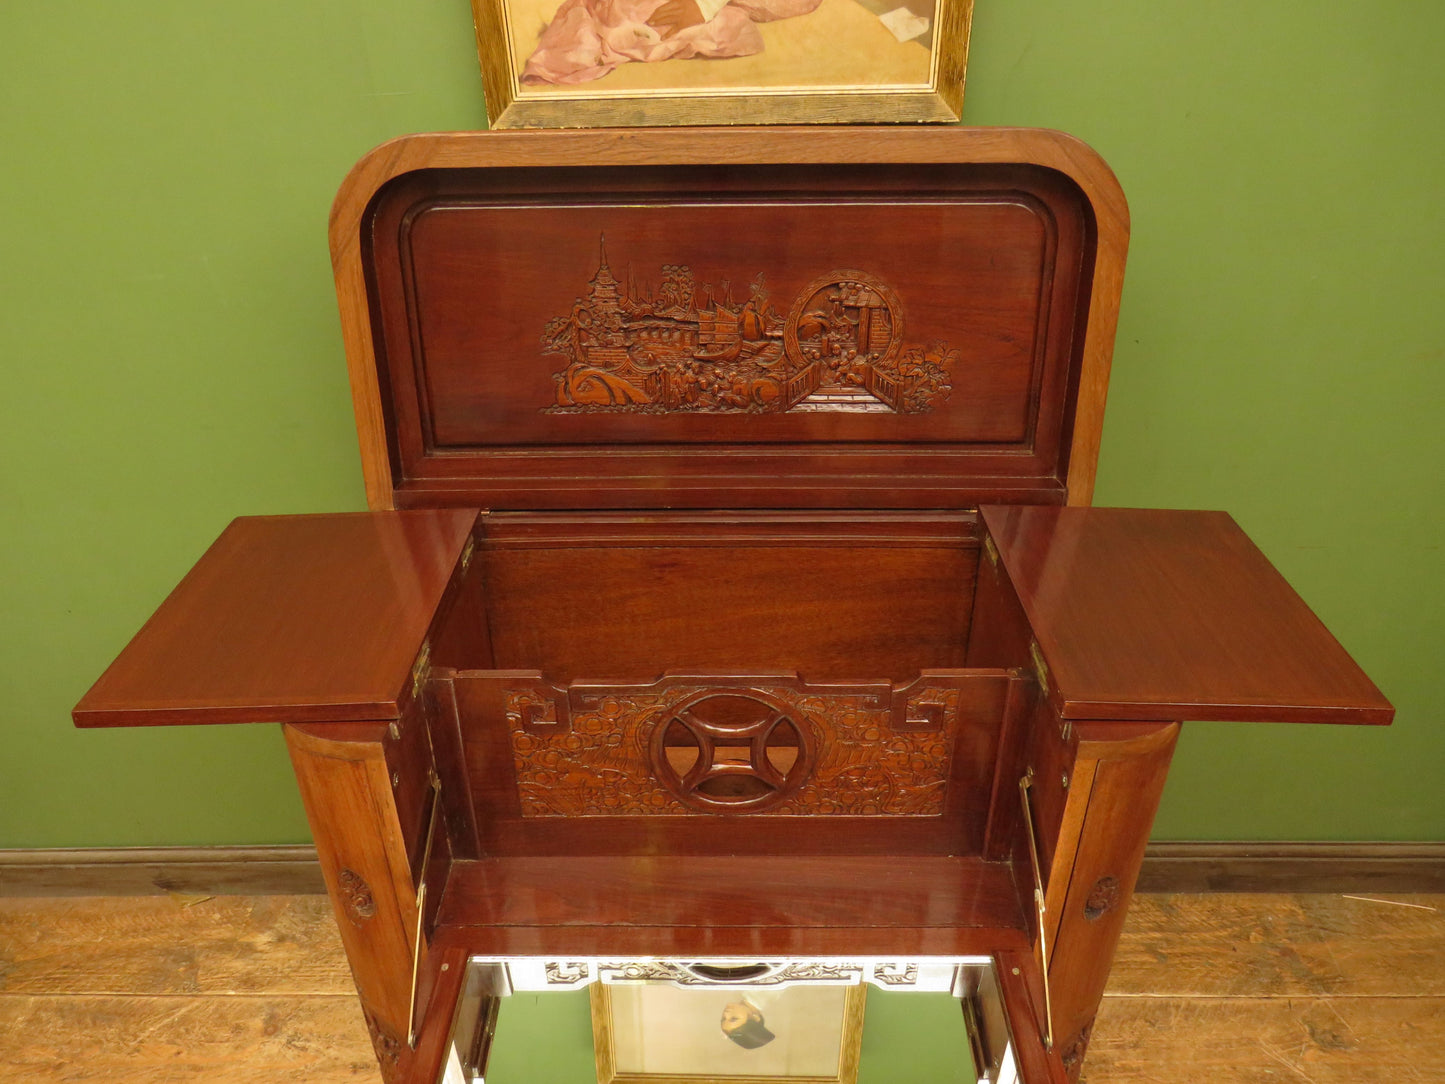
[731, 609]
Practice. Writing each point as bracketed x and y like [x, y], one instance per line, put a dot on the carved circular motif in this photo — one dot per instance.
[356, 898]
[845, 317]
[1102, 897]
[731, 752]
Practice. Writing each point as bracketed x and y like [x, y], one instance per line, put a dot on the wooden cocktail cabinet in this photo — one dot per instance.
[731, 594]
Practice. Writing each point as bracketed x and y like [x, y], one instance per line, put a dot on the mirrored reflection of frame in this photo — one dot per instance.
[825, 1022]
[747, 62]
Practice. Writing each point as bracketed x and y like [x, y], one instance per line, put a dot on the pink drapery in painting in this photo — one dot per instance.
[586, 39]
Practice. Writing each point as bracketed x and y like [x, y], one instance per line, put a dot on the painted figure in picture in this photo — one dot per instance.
[742, 1022]
[586, 39]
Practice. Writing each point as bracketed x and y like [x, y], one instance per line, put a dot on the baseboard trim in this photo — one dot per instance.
[1293, 867]
[146, 871]
[292, 870]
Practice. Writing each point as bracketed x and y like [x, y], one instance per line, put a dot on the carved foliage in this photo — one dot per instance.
[388, 1049]
[1073, 1054]
[672, 348]
[356, 898]
[857, 763]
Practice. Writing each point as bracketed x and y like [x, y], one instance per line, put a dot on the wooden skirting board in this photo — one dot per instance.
[285, 870]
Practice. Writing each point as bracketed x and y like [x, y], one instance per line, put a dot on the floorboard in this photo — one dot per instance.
[1206, 989]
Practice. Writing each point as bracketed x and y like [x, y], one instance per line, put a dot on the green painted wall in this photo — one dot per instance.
[171, 357]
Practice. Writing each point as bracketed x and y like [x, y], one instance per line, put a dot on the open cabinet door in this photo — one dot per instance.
[1133, 621]
[291, 619]
[324, 623]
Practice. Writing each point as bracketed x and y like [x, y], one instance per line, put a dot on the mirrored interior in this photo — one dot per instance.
[930, 1020]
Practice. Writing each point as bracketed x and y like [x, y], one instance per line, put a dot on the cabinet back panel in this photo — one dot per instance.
[632, 598]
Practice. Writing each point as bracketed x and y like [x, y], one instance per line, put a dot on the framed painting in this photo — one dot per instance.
[656, 1033]
[598, 63]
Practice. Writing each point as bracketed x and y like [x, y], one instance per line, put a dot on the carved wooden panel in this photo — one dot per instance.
[773, 746]
[685, 346]
[921, 319]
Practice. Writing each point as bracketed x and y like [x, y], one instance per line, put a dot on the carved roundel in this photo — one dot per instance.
[843, 318]
[1102, 898]
[731, 752]
[356, 897]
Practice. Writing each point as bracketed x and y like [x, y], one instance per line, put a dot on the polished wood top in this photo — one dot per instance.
[289, 619]
[1153, 614]
[711, 892]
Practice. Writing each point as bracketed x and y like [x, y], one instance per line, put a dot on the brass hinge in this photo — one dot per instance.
[467, 551]
[990, 552]
[1025, 785]
[421, 669]
[1041, 668]
[431, 828]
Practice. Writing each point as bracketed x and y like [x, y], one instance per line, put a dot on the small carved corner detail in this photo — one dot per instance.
[567, 972]
[896, 974]
[388, 1049]
[1073, 1054]
[532, 711]
[356, 898]
[1102, 898]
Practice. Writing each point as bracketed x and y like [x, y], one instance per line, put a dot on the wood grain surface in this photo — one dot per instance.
[677, 163]
[289, 619]
[1206, 989]
[177, 990]
[184, 945]
[1152, 614]
[1303, 946]
[734, 891]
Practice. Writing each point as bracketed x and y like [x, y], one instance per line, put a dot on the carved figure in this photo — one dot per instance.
[840, 349]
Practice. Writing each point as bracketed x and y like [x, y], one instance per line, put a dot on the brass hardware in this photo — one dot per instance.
[431, 828]
[393, 731]
[1066, 731]
[990, 552]
[1041, 668]
[395, 780]
[1065, 780]
[467, 552]
[421, 668]
[1025, 784]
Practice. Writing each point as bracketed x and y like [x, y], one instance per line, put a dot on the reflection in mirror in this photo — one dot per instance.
[928, 1020]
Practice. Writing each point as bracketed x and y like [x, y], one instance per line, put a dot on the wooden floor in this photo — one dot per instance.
[1218, 988]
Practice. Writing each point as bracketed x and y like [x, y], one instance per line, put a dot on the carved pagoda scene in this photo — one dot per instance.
[680, 347]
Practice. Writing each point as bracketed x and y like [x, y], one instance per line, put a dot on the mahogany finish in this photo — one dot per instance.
[762, 942]
[717, 891]
[289, 619]
[1153, 614]
[1001, 248]
[715, 653]
[831, 596]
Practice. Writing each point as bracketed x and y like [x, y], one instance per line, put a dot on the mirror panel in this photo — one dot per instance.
[930, 1020]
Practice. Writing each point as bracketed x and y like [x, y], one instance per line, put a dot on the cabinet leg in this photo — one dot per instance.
[347, 790]
[1115, 783]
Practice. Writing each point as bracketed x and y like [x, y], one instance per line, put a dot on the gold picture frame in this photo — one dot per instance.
[823, 61]
[823, 1048]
